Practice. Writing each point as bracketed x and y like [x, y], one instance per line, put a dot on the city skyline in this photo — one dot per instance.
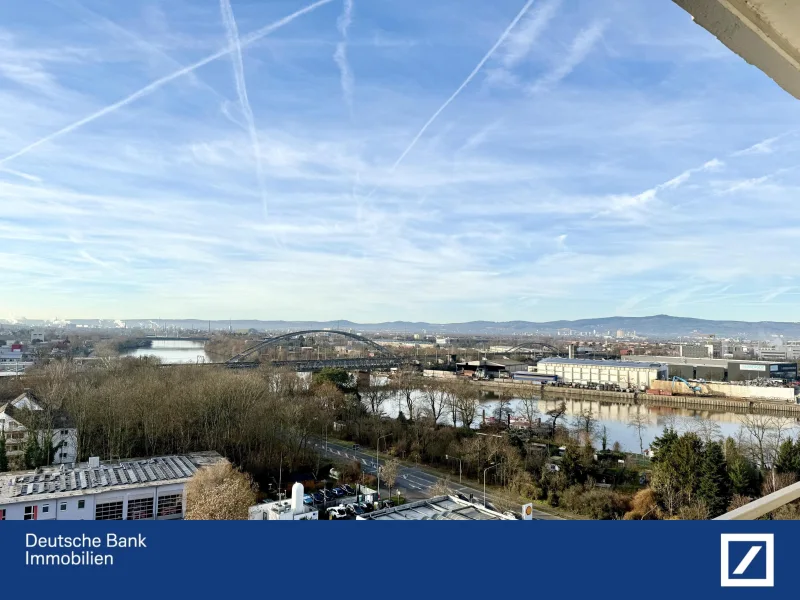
[538, 161]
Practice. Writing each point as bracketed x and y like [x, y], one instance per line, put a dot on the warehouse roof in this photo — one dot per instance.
[60, 481]
[625, 364]
[686, 360]
[440, 508]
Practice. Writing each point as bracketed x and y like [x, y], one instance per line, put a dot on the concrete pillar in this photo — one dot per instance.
[766, 33]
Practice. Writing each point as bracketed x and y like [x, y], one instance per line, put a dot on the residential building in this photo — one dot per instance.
[697, 350]
[622, 373]
[37, 335]
[440, 508]
[28, 413]
[138, 489]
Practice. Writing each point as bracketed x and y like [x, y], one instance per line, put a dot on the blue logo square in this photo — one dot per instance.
[742, 557]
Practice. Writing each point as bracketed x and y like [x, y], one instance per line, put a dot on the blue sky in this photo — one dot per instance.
[389, 159]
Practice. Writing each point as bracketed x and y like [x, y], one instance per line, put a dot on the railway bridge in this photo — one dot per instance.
[381, 357]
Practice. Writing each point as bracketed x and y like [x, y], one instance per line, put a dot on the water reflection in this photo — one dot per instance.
[174, 352]
[615, 417]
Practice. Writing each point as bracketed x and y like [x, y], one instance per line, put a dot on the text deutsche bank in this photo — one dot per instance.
[82, 549]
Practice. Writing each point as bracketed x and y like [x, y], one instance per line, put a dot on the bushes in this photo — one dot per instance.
[594, 502]
[643, 506]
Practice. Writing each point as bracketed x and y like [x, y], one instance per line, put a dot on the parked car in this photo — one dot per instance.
[338, 492]
[308, 499]
[328, 494]
[354, 509]
[364, 506]
[318, 497]
[386, 503]
[337, 512]
[349, 490]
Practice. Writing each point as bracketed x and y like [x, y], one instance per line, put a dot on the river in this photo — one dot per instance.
[615, 417]
[174, 351]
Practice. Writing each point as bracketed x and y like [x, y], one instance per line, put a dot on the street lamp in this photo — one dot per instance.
[378, 461]
[458, 458]
[492, 466]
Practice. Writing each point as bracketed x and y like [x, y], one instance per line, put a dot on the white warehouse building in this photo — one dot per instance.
[622, 373]
[150, 488]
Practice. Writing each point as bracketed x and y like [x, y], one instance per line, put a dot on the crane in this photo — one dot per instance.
[694, 387]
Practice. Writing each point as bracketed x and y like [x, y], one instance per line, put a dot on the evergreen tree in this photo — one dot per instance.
[676, 474]
[788, 460]
[571, 464]
[3, 455]
[661, 445]
[715, 487]
[33, 453]
[745, 478]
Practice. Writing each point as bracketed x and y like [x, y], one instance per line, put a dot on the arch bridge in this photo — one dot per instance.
[386, 356]
[532, 346]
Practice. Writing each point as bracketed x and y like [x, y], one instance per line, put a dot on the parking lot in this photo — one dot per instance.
[345, 501]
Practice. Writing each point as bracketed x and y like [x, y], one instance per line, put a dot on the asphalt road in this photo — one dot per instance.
[414, 482]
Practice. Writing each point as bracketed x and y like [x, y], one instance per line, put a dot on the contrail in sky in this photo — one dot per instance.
[245, 41]
[469, 78]
[232, 32]
[340, 56]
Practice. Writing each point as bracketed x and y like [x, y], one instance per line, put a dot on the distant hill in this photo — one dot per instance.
[657, 326]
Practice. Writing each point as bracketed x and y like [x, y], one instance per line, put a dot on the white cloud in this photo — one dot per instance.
[154, 208]
[580, 49]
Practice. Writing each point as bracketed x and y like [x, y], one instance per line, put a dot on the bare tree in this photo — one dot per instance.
[219, 493]
[464, 399]
[441, 488]
[586, 424]
[761, 431]
[555, 414]
[503, 411]
[435, 400]
[406, 383]
[706, 429]
[374, 397]
[529, 407]
[640, 423]
[389, 472]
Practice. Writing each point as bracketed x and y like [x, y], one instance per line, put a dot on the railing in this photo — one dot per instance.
[762, 506]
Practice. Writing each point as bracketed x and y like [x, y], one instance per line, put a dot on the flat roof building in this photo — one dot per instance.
[440, 508]
[623, 373]
[136, 489]
[723, 369]
[292, 509]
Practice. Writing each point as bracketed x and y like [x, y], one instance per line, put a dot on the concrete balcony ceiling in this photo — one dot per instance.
[766, 33]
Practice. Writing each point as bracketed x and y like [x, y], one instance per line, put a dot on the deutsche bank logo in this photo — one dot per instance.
[748, 559]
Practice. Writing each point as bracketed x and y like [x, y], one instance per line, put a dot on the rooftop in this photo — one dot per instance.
[627, 364]
[61, 481]
[440, 508]
[706, 362]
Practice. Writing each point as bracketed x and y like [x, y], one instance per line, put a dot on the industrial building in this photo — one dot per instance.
[440, 508]
[146, 489]
[491, 368]
[285, 510]
[622, 373]
[722, 369]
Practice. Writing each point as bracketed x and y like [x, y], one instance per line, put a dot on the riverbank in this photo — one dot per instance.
[690, 402]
